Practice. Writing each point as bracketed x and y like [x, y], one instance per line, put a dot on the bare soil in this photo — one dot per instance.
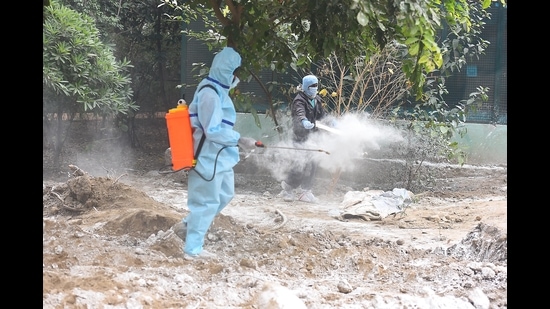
[108, 243]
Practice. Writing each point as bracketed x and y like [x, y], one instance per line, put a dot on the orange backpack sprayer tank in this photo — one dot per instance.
[180, 137]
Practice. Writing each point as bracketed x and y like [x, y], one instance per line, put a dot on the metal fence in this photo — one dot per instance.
[490, 70]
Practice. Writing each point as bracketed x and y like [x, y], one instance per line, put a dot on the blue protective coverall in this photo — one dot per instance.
[212, 112]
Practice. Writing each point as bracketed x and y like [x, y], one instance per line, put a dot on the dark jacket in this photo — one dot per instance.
[302, 109]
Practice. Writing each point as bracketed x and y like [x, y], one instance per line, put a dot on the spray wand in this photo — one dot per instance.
[261, 145]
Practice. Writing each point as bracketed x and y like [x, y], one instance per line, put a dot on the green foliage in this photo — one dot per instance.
[294, 35]
[106, 14]
[150, 42]
[280, 34]
[79, 69]
[377, 83]
[431, 116]
[461, 45]
[80, 73]
[430, 122]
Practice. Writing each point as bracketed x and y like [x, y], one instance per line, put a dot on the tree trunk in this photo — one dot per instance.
[160, 57]
[60, 136]
[58, 144]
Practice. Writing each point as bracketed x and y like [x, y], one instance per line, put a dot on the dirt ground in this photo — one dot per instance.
[107, 243]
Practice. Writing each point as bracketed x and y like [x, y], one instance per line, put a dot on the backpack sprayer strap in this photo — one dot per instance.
[203, 137]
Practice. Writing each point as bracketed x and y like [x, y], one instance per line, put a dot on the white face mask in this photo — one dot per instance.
[235, 82]
[311, 92]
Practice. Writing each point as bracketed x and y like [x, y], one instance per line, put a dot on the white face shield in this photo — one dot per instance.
[235, 82]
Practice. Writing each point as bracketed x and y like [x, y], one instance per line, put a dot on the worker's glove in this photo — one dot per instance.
[247, 143]
[308, 125]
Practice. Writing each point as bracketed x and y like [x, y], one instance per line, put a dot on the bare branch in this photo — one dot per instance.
[57, 195]
[116, 180]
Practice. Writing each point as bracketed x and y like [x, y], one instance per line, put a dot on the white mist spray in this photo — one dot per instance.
[357, 135]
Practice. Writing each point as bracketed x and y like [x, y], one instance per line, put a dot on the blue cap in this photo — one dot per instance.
[308, 80]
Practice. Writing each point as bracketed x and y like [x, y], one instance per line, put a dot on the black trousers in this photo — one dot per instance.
[302, 176]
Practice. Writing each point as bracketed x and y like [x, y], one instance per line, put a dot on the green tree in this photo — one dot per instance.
[375, 53]
[149, 41]
[281, 34]
[141, 34]
[80, 74]
[295, 35]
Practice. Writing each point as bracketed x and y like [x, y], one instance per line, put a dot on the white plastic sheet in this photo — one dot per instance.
[375, 204]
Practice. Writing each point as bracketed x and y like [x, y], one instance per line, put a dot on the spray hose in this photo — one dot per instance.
[258, 144]
[189, 168]
[261, 145]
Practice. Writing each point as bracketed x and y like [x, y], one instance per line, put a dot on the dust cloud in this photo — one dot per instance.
[355, 137]
[115, 155]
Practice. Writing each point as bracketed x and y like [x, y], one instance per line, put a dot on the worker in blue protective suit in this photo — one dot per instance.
[306, 109]
[211, 182]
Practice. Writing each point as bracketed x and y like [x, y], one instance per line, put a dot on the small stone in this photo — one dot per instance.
[248, 263]
[487, 273]
[58, 250]
[344, 287]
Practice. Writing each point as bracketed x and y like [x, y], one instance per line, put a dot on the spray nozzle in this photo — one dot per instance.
[182, 102]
